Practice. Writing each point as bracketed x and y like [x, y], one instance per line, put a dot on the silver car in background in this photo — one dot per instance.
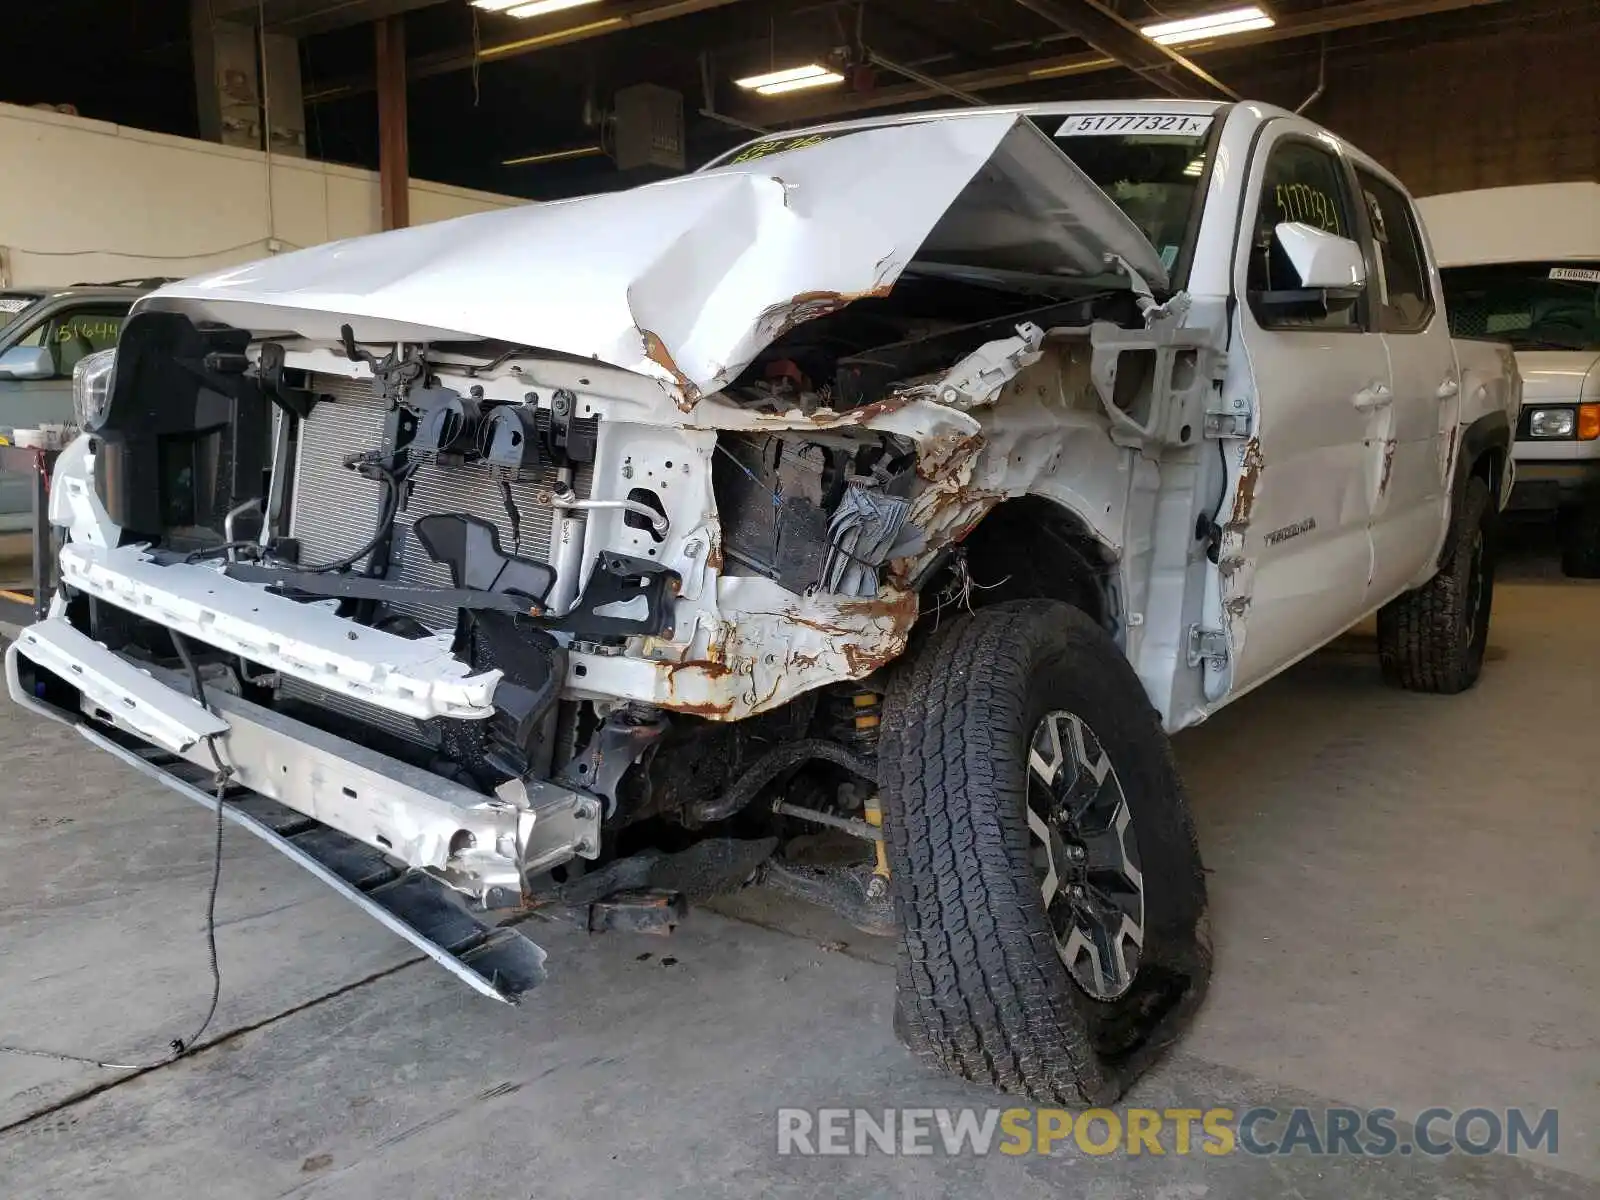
[43, 334]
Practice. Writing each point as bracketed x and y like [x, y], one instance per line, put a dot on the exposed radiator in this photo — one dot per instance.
[333, 511]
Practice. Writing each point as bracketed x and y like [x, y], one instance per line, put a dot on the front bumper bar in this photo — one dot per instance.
[415, 677]
[380, 827]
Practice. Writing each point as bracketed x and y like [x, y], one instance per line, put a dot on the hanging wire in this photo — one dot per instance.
[177, 1047]
[266, 117]
[477, 51]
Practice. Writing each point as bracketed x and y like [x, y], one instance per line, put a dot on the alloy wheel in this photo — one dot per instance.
[1083, 847]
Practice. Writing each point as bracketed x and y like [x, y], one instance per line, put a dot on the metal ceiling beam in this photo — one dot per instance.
[563, 29]
[394, 169]
[823, 107]
[917, 77]
[302, 18]
[1112, 36]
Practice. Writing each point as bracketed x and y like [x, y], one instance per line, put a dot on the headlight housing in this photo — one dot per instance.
[91, 387]
[1552, 423]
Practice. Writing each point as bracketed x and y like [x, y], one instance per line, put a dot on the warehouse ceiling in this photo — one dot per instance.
[498, 90]
[519, 105]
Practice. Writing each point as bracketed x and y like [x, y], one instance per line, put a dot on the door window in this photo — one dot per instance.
[1405, 299]
[1304, 182]
[75, 332]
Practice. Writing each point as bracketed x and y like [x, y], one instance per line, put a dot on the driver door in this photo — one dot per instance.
[1297, 548]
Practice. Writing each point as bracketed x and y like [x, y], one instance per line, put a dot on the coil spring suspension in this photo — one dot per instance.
[856, 718]
[857, 723]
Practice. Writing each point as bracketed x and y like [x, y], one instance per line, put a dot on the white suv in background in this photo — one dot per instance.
[1522, 265]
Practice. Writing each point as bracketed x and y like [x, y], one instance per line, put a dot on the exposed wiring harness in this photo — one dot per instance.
[392, 479]
[387, 511]
[178, 1047]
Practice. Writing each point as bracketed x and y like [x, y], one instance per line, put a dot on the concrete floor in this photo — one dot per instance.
[1404, 895]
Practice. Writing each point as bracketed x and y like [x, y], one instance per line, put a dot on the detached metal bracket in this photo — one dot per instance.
[977, 377]
[1207, 645]
[1226, 418]
[1176, 306]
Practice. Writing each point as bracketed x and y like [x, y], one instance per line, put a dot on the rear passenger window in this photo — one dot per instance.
[1304, 182]
[1404, 297]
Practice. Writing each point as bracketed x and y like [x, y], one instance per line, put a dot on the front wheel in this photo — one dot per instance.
[1043, 862]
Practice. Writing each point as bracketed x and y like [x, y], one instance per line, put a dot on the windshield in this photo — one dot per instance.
[14, 304]
[1534, 306]
[1149, 164]
[1152, 176]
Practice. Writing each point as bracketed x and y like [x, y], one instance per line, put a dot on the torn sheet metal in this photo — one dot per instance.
[687, 280]
[753, 648]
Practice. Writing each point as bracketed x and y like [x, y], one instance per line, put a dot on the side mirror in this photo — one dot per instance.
[27, 362]
[1325, 262]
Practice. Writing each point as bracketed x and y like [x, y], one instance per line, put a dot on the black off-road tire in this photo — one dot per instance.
[982, 992]
[1432, 639]
[1580, 541]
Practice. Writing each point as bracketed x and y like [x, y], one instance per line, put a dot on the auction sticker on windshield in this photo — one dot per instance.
[1118, 124]
[1575, 274]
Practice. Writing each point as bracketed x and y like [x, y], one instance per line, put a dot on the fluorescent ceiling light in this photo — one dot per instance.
[826, 79]
[1211, 25]
[1195, 168]
[791, 79]
[539, 7]
[528, 8]
[553, 156]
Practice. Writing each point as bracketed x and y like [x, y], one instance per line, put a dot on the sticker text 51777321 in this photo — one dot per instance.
[1146, 124]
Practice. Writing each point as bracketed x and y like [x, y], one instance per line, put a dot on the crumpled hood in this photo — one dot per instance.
[689, 279]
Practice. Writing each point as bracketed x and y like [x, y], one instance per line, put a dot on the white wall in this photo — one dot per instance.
[90, 201]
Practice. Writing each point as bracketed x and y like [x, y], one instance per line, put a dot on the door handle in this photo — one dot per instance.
[1369, 398]
[1449, 387]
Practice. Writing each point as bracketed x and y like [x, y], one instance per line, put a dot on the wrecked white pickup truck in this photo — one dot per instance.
[859, 513]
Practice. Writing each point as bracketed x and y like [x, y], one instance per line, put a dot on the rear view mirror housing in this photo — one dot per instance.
[1331, 269]
[27, 362]
[1324, 261]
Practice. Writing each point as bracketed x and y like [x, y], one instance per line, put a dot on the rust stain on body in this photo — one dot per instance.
[711, 710]
[1388, 467]
[901, 608]
[779, 319]
[709, 669]
[864, 660]
[939, 455]
[1244, 502]
[656, 351]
